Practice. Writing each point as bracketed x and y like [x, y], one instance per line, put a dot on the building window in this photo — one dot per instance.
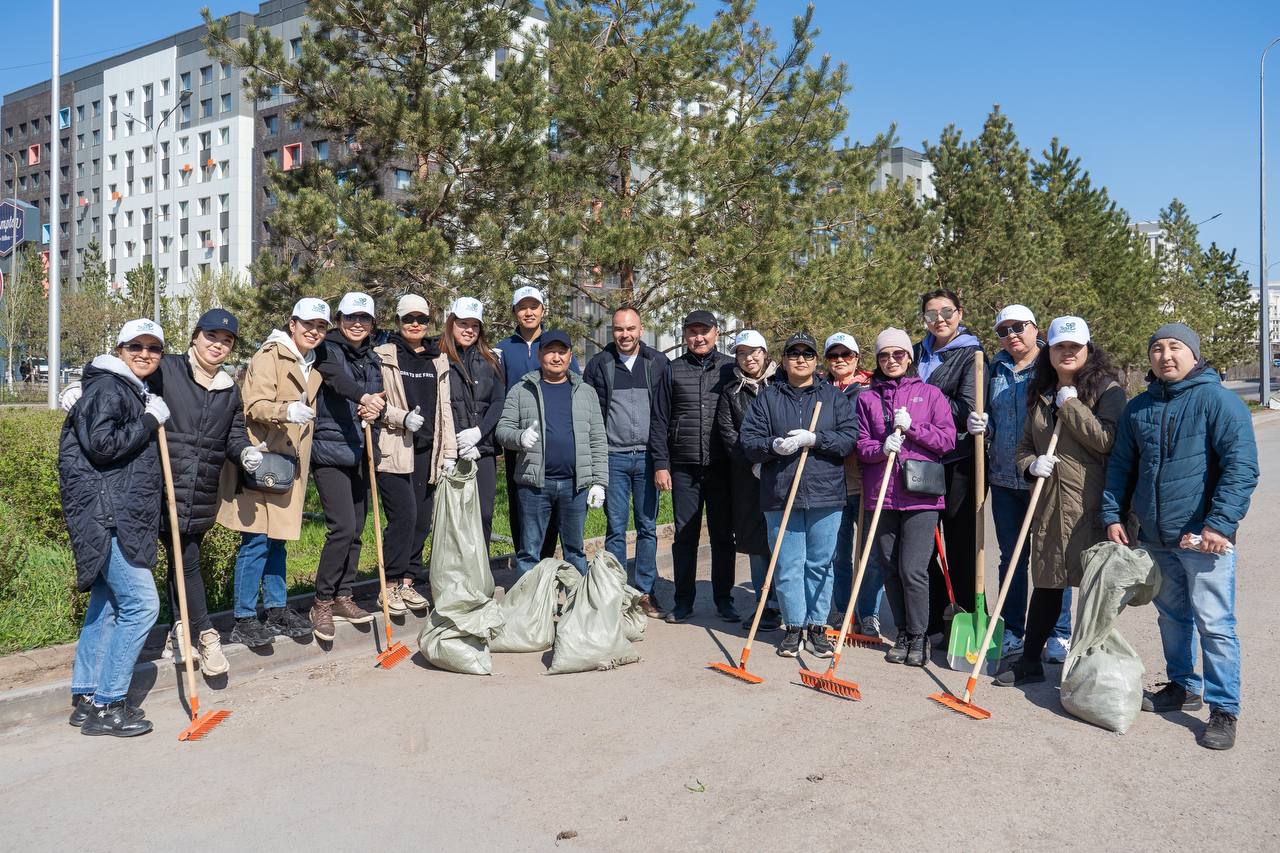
[33, 155]
[183, 143]
[80, 113]
[96, 108]
[204, 206]
[206, 108]
[44, 232]
[146, 92]
[206, 239]
[80, 142]
[146, 153]
[64, 118]
[271, 124]
[79, 170]
[295, 123]
[224, 203]
[97, 166]
[164, 86]
[226, 103]
[128, 98]
[226, 70]
[272, 156]
[8, 134]
[97, 138]
[295, 47]
[185, 112]
[321, 149]
[402, 179]
[146, 184]
[206, 75]
[185, 79]
[224, 135]
[204, 140]
[292, 156]
[224, 168]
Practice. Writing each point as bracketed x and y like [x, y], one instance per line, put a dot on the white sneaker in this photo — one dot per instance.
[173, 649]
[869, 625]
[1055, 651]
[394, 603]
[212, 660]
[1011, 644]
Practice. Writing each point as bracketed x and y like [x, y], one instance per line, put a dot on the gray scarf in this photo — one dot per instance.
[745, 381]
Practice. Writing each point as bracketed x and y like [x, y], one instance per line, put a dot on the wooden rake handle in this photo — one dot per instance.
[777, 544]
[179, 573]
[377, 529]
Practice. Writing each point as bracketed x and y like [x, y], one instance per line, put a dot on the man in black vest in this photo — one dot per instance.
[690, 461]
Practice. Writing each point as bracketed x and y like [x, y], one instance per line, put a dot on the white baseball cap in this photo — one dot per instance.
[1073, 329]
[749, 338]
[356, 303]
[843, 339]
[1020, 313]
[467, 308]
[411, 303]
[310, 308]
[137, 328]
[527, 292]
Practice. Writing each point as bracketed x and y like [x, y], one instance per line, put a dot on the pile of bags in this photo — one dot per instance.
[601, 620]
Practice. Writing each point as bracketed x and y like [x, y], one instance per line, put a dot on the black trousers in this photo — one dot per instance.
[344, 495]
[693, 488]
[959, 536]
[408, 501]
[904, 540]
[513, 512]
[487, 490]
[1042, 616]
[197, 604]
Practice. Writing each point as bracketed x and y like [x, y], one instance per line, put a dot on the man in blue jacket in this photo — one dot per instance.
[1185, 462]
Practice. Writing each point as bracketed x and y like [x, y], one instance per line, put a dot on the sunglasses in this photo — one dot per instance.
[358, 319]
[152, 349]
[842, 355]
[893, 355]
[414, 320]
[932, 316]
[802, 355]
[1011, 329]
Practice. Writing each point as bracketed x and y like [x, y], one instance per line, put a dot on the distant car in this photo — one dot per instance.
[1276, 362]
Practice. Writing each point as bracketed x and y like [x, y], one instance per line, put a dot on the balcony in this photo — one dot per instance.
[224, 219]
[182, 258]
[222, 254]
[183, 226]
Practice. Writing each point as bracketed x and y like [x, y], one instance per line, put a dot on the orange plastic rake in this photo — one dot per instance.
[740, 671]
[827, 681]
[201, 725]
[965, 705]
[394, 651]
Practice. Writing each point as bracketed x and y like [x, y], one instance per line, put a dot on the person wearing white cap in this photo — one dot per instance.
[753, 371]
[472, 387]
[1077, 386]
[405, 448]
[519, 355]
[112, 494]
[279, 393]
[1001, 426]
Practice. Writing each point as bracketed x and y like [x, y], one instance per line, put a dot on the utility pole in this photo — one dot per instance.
[55, 256]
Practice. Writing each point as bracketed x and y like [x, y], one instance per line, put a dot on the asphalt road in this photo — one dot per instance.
[665, 754]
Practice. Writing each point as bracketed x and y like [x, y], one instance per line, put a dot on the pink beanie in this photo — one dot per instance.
[892, 338]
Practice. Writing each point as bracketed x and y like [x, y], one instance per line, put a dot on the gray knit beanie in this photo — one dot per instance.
[1179, 332]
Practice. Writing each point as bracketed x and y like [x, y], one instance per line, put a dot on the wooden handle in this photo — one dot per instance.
[179, 573]
[377, 530]
[1013, 561]
[777, 543]
[980, 471]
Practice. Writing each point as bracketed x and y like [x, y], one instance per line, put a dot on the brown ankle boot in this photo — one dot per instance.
[346, 610]
[322, 619]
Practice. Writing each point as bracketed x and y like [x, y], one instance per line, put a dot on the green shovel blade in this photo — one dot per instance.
[967, 631]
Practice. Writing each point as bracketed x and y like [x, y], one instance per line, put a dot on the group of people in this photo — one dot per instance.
[722, 433]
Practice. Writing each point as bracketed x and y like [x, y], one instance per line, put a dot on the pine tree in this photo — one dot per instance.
[91, 313]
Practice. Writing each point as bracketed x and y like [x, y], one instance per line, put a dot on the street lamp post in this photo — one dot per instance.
[183, 97]
[1264, 304]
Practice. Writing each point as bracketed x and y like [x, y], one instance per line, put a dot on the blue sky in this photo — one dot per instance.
[1159, 99]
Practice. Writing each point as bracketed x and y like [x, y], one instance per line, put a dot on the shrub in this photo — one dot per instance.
[29, 471]
[39, 605]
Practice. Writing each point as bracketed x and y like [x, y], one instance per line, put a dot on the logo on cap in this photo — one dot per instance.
[319, 306]
[1069, 327]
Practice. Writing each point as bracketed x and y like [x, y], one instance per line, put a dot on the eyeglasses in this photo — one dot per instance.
[1011, 329]
[414, 320]
[802, 355]
[893, 355]
[150, 349]
[842, 355]
[358, 319]
[932, 316]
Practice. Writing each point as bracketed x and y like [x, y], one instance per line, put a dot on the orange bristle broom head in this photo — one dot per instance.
[960, 706]
[201, 725]
[828, 683]
[861, 641]
[736, 672]
[395, 653]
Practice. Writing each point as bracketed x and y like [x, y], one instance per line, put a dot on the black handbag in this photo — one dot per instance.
[274, 476]
[919, 476]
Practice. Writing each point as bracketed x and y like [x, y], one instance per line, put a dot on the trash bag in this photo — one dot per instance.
[633, 618]
[1102, 677]
[529, 607]
[591, 633]
[457, 634]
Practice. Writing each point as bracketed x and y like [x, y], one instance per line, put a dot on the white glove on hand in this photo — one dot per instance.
[529, 437]
[157, 409]
[803, 438]
[755, 469]
[1065, 393]
[893, 443]
[471, 454]
[595, 497]
[467, 439]
[902, 419]
[414, 420]
[977, 423]
[785, 446]
[251, 458]
[70, 397]
[1043, 466]
[300, 413]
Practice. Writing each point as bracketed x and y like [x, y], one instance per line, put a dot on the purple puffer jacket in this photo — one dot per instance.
[932, 436]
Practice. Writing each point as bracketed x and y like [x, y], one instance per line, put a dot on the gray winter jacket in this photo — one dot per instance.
[524, 407]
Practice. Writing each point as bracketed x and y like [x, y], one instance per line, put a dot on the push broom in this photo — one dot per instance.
[201, 725]
[740, 671]
[965, 705]
[827, 681]
[394, 651]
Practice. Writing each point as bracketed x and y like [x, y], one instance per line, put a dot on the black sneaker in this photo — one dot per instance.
[898, 653]
[818, 643]
[728, 612]
[679, 614]
[81, 708]
[250, 632]
[1220, 733]
[117, 720]
[917, 650]
[790, 645]
[1171, 697]
[1021, 671]
[286, 622]
[770, 620]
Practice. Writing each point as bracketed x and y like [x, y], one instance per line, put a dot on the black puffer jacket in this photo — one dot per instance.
[954, 378]
[350, 371]
[477, 393]
[205, 428]
[109, 471]
[749, 532]
[682, 430]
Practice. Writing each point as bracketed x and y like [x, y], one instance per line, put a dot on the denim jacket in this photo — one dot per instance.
[1007, 405]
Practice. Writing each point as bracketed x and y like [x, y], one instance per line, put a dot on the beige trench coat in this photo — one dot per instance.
[395, 443]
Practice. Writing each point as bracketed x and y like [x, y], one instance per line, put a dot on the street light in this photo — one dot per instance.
[1264, 318]
[183, 97]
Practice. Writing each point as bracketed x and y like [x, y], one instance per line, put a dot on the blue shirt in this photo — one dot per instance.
[557, 429]
[520, 356]
[1007, 405]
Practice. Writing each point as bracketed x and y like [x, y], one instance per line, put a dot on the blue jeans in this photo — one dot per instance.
[1008, 509]
[1198, 596]
[803, 575]
[871, 593]
[260, 563]
[631, 479]
[535, 513]
[123, 605]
